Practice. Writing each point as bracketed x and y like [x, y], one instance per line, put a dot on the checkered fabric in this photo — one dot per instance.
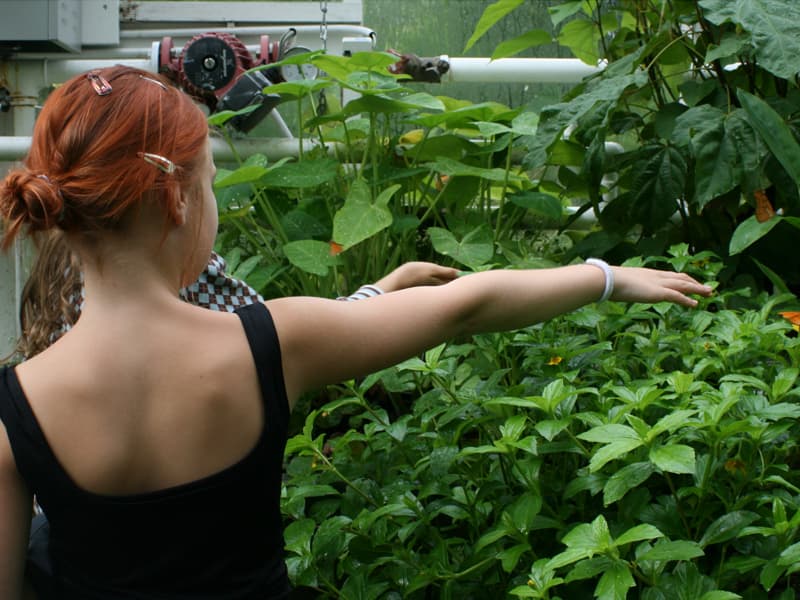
[217, 291]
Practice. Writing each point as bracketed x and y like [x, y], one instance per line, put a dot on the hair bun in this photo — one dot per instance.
[28, 200]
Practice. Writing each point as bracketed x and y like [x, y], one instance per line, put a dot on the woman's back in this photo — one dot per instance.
[158, 463]
[147, 400]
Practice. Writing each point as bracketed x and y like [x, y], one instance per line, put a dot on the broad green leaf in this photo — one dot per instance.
[381, 104]
[510, 557]
[222, 117]
[695, 121]
[564, 10]
[360, 218]
[474, 250]
[525, 123]
[774, 131]
[364, 61]
[297, 536]
[604, 91]
[673, 458]
[491, 536]
[615, 583]
[448, 166]
[583, 38]
[666, 550]
[549, 428]
[658, 187]
[717, 167]
[784, 381]
[540, 204]
[770, 573]
[306, 174]
[244, 174]
[727, 527]
[524, 510]
[611, 432]
[671, 421]
[331, 538]
[790, 557]
[299, 88]
[774, 26]
[611, 452]
[588, 568]
[491, 15]
[529, 39]
[489, 129]
[624, 480]
[461, 116]
[311, 256]
[750, 231]
[638, 534]
[731, 45]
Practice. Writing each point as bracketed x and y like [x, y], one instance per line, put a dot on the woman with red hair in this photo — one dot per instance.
[142, 428]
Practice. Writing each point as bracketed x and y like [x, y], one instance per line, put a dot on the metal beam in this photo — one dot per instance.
[345, 11]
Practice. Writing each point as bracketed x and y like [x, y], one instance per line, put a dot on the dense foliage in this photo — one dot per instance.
[701, 101]
[618, 449]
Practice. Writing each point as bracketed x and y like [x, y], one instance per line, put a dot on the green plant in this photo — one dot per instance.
[616, 452]
[394, 175]
[702, 97]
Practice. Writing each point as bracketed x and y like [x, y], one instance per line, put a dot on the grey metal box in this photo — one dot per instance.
[40, 25]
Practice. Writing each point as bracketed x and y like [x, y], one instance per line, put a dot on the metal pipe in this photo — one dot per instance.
[177, 32]
[522, 70]
[15, 148]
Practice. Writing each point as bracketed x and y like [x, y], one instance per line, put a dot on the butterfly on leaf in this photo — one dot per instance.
[764, 210]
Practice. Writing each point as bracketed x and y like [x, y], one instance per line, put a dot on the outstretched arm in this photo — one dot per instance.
[325, 342]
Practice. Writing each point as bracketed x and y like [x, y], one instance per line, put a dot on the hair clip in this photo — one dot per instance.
[99, 83]
[156, 81]
[159, 161]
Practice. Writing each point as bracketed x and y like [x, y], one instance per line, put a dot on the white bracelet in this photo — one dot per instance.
[603, 265]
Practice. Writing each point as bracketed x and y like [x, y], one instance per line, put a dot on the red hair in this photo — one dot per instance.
[85, 170]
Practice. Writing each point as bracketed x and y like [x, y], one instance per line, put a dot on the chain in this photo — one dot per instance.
[323, 26]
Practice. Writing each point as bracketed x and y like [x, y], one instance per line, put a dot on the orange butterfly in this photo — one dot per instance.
[335, 248]
[764, 210]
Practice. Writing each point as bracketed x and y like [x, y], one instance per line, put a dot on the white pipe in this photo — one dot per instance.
[522, 70]
[179, 32]
[16, 147]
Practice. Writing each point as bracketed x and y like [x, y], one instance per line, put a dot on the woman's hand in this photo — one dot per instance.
[412, 274]
[637, 284]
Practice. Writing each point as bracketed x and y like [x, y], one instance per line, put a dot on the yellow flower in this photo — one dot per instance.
[554, 360]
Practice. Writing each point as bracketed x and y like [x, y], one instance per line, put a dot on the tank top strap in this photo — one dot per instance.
[35, 460]
[265, 348]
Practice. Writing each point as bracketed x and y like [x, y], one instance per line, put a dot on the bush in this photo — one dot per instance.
[619, 451]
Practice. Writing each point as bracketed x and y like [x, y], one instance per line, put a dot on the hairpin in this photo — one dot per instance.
[151, 80]
[99, 83]
[159, 161]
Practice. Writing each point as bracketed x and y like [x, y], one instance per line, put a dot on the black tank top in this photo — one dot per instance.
[217, 537]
